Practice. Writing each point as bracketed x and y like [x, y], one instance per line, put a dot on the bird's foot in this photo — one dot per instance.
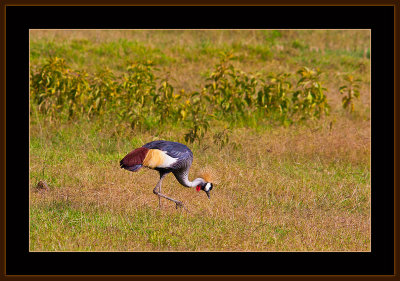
[180, 205]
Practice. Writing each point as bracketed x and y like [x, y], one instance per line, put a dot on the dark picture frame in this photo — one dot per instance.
[20, 16]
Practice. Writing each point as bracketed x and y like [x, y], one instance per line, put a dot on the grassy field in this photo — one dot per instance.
[303, 187]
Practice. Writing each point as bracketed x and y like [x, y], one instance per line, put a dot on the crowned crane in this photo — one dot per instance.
[166, 157]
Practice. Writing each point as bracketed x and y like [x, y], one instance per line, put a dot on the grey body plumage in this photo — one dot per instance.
[175, 150]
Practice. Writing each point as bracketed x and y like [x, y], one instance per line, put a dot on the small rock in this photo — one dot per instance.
[42, 186]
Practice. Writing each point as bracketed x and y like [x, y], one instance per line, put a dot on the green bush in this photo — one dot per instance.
[141, 99]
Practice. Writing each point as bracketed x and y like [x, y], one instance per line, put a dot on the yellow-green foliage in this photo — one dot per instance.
[140, 98]
[55, 88]
[351, 91]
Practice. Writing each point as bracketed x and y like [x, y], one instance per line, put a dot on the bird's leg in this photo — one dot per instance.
[157, 191]
[159, 198]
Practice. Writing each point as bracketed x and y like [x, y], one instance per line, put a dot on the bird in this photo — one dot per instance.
[166, 157]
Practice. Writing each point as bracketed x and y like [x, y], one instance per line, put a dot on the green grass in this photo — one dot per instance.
[147, 228]
[303, 187]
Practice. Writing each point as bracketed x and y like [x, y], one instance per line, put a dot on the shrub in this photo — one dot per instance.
[141, 99]
[310, 100]
[350, 92]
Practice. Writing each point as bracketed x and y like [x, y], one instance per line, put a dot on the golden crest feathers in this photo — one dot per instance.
[207, 175]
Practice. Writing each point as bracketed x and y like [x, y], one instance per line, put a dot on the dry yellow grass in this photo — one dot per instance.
[310, 192]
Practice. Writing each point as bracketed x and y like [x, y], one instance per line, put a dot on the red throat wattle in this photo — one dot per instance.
[198, 188]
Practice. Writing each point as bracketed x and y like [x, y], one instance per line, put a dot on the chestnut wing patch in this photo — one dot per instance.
[135, 157]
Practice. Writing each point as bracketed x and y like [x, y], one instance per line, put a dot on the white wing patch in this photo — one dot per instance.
[168, 160]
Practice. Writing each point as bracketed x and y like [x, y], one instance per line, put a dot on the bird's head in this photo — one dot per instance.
[204, 183]
[206, 187]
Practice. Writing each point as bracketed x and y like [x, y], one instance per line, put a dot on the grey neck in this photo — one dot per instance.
[183, 180]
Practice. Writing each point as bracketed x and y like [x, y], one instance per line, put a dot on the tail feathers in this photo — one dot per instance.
[133, 161]
[133, 168]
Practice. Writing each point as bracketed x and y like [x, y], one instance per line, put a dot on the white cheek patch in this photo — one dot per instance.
[207, 187]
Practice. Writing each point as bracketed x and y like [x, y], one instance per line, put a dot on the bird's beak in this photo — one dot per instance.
[208, 194]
